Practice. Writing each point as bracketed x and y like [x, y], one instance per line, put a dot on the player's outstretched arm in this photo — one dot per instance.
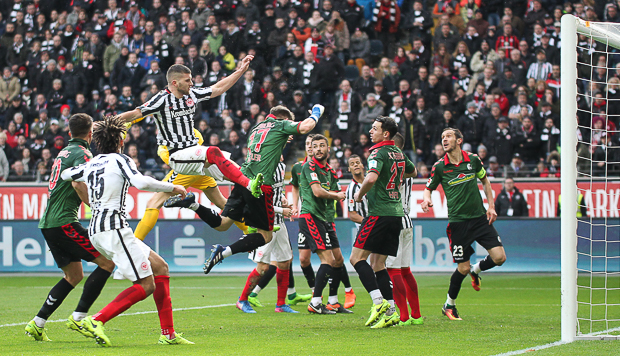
[223, 85]
[130, 116]
[488, 191]
[369, 181]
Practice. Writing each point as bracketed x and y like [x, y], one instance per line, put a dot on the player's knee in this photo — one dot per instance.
[74, 278]
[106, 264]
[261, 268]
[148, 285]
[353, 260]
[499, 260]
[161, 268]
[304, 260]
[463, 268]
[338, 261]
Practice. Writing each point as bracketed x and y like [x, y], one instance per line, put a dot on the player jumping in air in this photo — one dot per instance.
[379, 233]
[319, 188]
[265, 145]
[457, 172]
[67, 239]
[174, 109]
[108, 176]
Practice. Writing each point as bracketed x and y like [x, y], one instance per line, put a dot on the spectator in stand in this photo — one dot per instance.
[365, 83]
[418, 22]
[516, 168]
[510, 202]
[42, 174]
[385, 22]
[371, 109]
[414, 128]
[352, 98]
[19, 174]
[359, 49]
[493, 169]
[507, 41]
[9, 86]
[325, 77]
[541, 69]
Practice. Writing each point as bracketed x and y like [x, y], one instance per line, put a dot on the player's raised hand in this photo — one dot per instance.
[427, 204]
[245, 62]
[179, 189]
[491, 215]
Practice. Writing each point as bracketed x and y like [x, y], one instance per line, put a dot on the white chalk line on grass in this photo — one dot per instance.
[136, 313]
[535, 348]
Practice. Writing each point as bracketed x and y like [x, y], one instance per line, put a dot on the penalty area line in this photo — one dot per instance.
[136, 313]
[535, 348]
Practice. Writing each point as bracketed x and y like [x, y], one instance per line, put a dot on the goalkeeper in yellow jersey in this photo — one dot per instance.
[205, 183]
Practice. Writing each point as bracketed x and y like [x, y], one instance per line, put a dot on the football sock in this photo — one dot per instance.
[291, 278]
[485, 264]
[450, 301]
[376, 296]
[385, 284]
[344, 278]
[164, 305]
[249, 284]
[334, 283]
[455, 284]
[400, 292]
[309, 274]
[209, 216]
[122, 302]
[57, 294]
[282, 280]
[247, 243]
[412, 292]
[39, 321]
[92, 288]
[267, 276]
[228, 168]
[78, 316]
[367, 276]
[316, 301]
[322, 275]
[147, 223]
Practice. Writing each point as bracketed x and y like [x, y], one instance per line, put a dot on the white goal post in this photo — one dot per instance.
[596, 318]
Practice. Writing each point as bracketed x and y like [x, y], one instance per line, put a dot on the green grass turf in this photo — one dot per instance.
[512, 312]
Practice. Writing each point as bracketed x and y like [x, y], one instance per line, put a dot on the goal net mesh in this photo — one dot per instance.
[598, 182]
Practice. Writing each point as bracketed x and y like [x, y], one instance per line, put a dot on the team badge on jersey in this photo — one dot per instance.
[314, 176]
[189, 102]
[372, 164]
[144, 266]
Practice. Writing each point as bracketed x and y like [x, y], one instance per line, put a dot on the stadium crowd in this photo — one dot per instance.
[490, 68]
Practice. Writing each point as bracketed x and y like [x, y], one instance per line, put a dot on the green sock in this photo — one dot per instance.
[253, 295]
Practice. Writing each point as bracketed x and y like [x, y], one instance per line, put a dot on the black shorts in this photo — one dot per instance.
[331, 234]
[254, 212]
[462, 235]
[69, 243]
[313, 233]
[379, 234]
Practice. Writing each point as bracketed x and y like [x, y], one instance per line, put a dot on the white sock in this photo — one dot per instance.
[476, 268]
[77, 316]
[348, 290]
[291, 291]
[39, 321]
[392, 304]
[316, 301]
[227, 252]
[376, 296]
[194, 206]
[450, 301]
[257, 289]
[333, 299]
[390, 311]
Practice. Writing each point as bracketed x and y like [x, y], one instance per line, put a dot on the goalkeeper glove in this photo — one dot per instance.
[317, 112]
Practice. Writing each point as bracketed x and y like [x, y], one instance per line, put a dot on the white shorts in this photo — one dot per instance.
[191, 161]
[278, 249]
[130, 254]
[405, 250]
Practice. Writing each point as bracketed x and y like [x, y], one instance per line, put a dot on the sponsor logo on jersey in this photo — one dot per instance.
[186, 112]
[372, 164]
[461, 178]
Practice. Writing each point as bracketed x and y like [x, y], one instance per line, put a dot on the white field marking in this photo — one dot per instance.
[535, 348]
[173, 287]
[136, 313]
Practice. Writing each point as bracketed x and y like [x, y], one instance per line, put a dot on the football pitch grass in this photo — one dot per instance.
[512, 312]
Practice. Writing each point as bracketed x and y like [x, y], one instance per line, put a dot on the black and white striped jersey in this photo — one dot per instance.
[175, 117]
[360, 208]
[405, 196]
[278, 191]
[108, 176]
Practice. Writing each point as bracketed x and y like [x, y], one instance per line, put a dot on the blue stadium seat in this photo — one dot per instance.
[351, 72]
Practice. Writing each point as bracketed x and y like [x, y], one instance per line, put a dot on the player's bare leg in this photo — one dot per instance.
[496, 257]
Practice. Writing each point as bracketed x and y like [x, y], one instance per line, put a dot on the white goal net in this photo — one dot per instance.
[590, 102]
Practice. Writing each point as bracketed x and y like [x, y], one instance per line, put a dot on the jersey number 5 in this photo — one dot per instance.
[263, 135]
[95, 181]
[395, 167]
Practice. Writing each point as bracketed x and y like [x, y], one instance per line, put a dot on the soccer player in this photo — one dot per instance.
[278, 250]
[468, 221]
[206, 183]
[405, 286]
[357, 211]
[387, 166]
[174, 109]
[67, 239]
[304, 252]
[319, 188]
[265, 145]
[108, 176]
